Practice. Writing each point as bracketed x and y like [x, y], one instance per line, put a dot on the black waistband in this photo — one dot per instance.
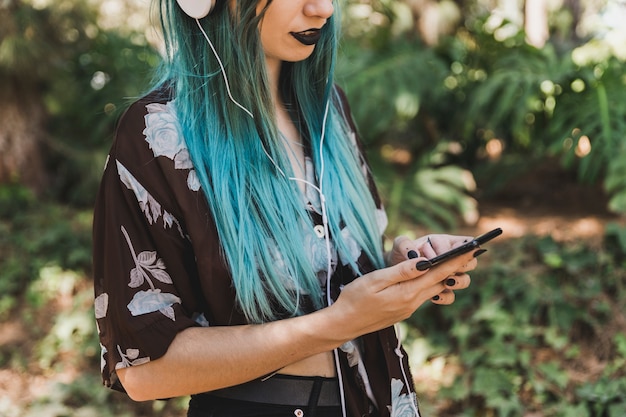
[283, 390]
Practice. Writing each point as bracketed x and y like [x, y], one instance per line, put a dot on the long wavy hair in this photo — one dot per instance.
[258, 212]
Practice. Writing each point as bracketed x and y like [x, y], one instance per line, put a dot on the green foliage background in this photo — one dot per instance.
[542, 330]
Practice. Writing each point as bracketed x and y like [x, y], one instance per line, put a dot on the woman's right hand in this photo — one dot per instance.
[387, 296]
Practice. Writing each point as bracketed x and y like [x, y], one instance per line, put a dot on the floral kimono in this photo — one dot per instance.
[159, 270]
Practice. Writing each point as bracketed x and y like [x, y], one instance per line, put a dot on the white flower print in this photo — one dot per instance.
[317, 250]
[281, 267]
[192, 181]
[162, 130]
[147, 265]
[101, 305]
[354, 249]
[130, 358]
[182, 160]
[165, 138]
[402, 405]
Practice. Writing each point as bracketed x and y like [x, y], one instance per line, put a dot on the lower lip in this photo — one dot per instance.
[308, 39]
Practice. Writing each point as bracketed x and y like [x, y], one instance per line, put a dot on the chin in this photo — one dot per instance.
[299, 57]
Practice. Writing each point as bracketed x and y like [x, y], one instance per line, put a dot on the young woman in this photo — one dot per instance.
[238, 235]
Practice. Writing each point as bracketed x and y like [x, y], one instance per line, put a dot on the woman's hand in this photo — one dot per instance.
[390, 295]
[428, 247]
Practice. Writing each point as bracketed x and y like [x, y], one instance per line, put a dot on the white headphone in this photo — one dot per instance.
[197, 9]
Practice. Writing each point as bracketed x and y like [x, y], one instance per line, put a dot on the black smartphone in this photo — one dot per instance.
[466, 247]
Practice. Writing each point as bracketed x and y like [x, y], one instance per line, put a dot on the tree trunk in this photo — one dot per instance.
[22, 117]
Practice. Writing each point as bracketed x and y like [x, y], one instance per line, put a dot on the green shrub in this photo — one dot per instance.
[537, 315]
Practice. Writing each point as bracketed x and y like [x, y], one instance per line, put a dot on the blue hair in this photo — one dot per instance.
[258, 212]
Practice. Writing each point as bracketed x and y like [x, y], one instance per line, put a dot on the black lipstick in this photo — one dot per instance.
[308, 37]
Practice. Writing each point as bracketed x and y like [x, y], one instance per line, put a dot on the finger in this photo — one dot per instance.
[407, 271]
[428, 247]
[450, 266]
[445, 297]
[471, 265]
[401, 272]
[406, 247]
[474, 262]
[443, 243]
[457, 282]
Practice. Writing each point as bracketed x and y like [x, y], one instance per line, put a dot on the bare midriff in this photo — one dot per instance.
[322, 364]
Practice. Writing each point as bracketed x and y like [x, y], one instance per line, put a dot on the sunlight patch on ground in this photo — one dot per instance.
[560, 229]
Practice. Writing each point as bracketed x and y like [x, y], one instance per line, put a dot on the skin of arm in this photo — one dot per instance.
[205, 359]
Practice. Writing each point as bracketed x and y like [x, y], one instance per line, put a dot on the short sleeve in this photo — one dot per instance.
[144, 269]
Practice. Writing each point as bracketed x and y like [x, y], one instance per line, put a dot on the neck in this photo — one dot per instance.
[273, 72]
[283, 120]
[292, 140]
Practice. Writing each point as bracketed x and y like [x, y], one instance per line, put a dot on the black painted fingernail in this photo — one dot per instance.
[479, 252]
[423, 265]
[412, 254]
[451, 282]
[436, 298]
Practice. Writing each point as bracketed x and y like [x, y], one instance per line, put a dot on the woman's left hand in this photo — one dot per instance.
[428, 247]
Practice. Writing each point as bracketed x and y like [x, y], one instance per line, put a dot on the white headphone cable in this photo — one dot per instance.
[400, 355]
[219, 61]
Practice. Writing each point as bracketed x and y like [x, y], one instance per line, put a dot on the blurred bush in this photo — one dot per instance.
[490, 105]
[542, 332]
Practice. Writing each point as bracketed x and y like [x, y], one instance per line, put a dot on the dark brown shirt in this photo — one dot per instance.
[159, 267]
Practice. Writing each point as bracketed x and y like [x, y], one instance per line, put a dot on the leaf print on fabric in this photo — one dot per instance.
[150, 301]
[201, 319]
[169, 221]
[101, 305]
[402, 405]
[165, 138]
[130, 358]
[148, 204]
[150, 207]
[149, 266]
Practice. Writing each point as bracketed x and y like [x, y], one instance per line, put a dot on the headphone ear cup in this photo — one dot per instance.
[196, 9]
